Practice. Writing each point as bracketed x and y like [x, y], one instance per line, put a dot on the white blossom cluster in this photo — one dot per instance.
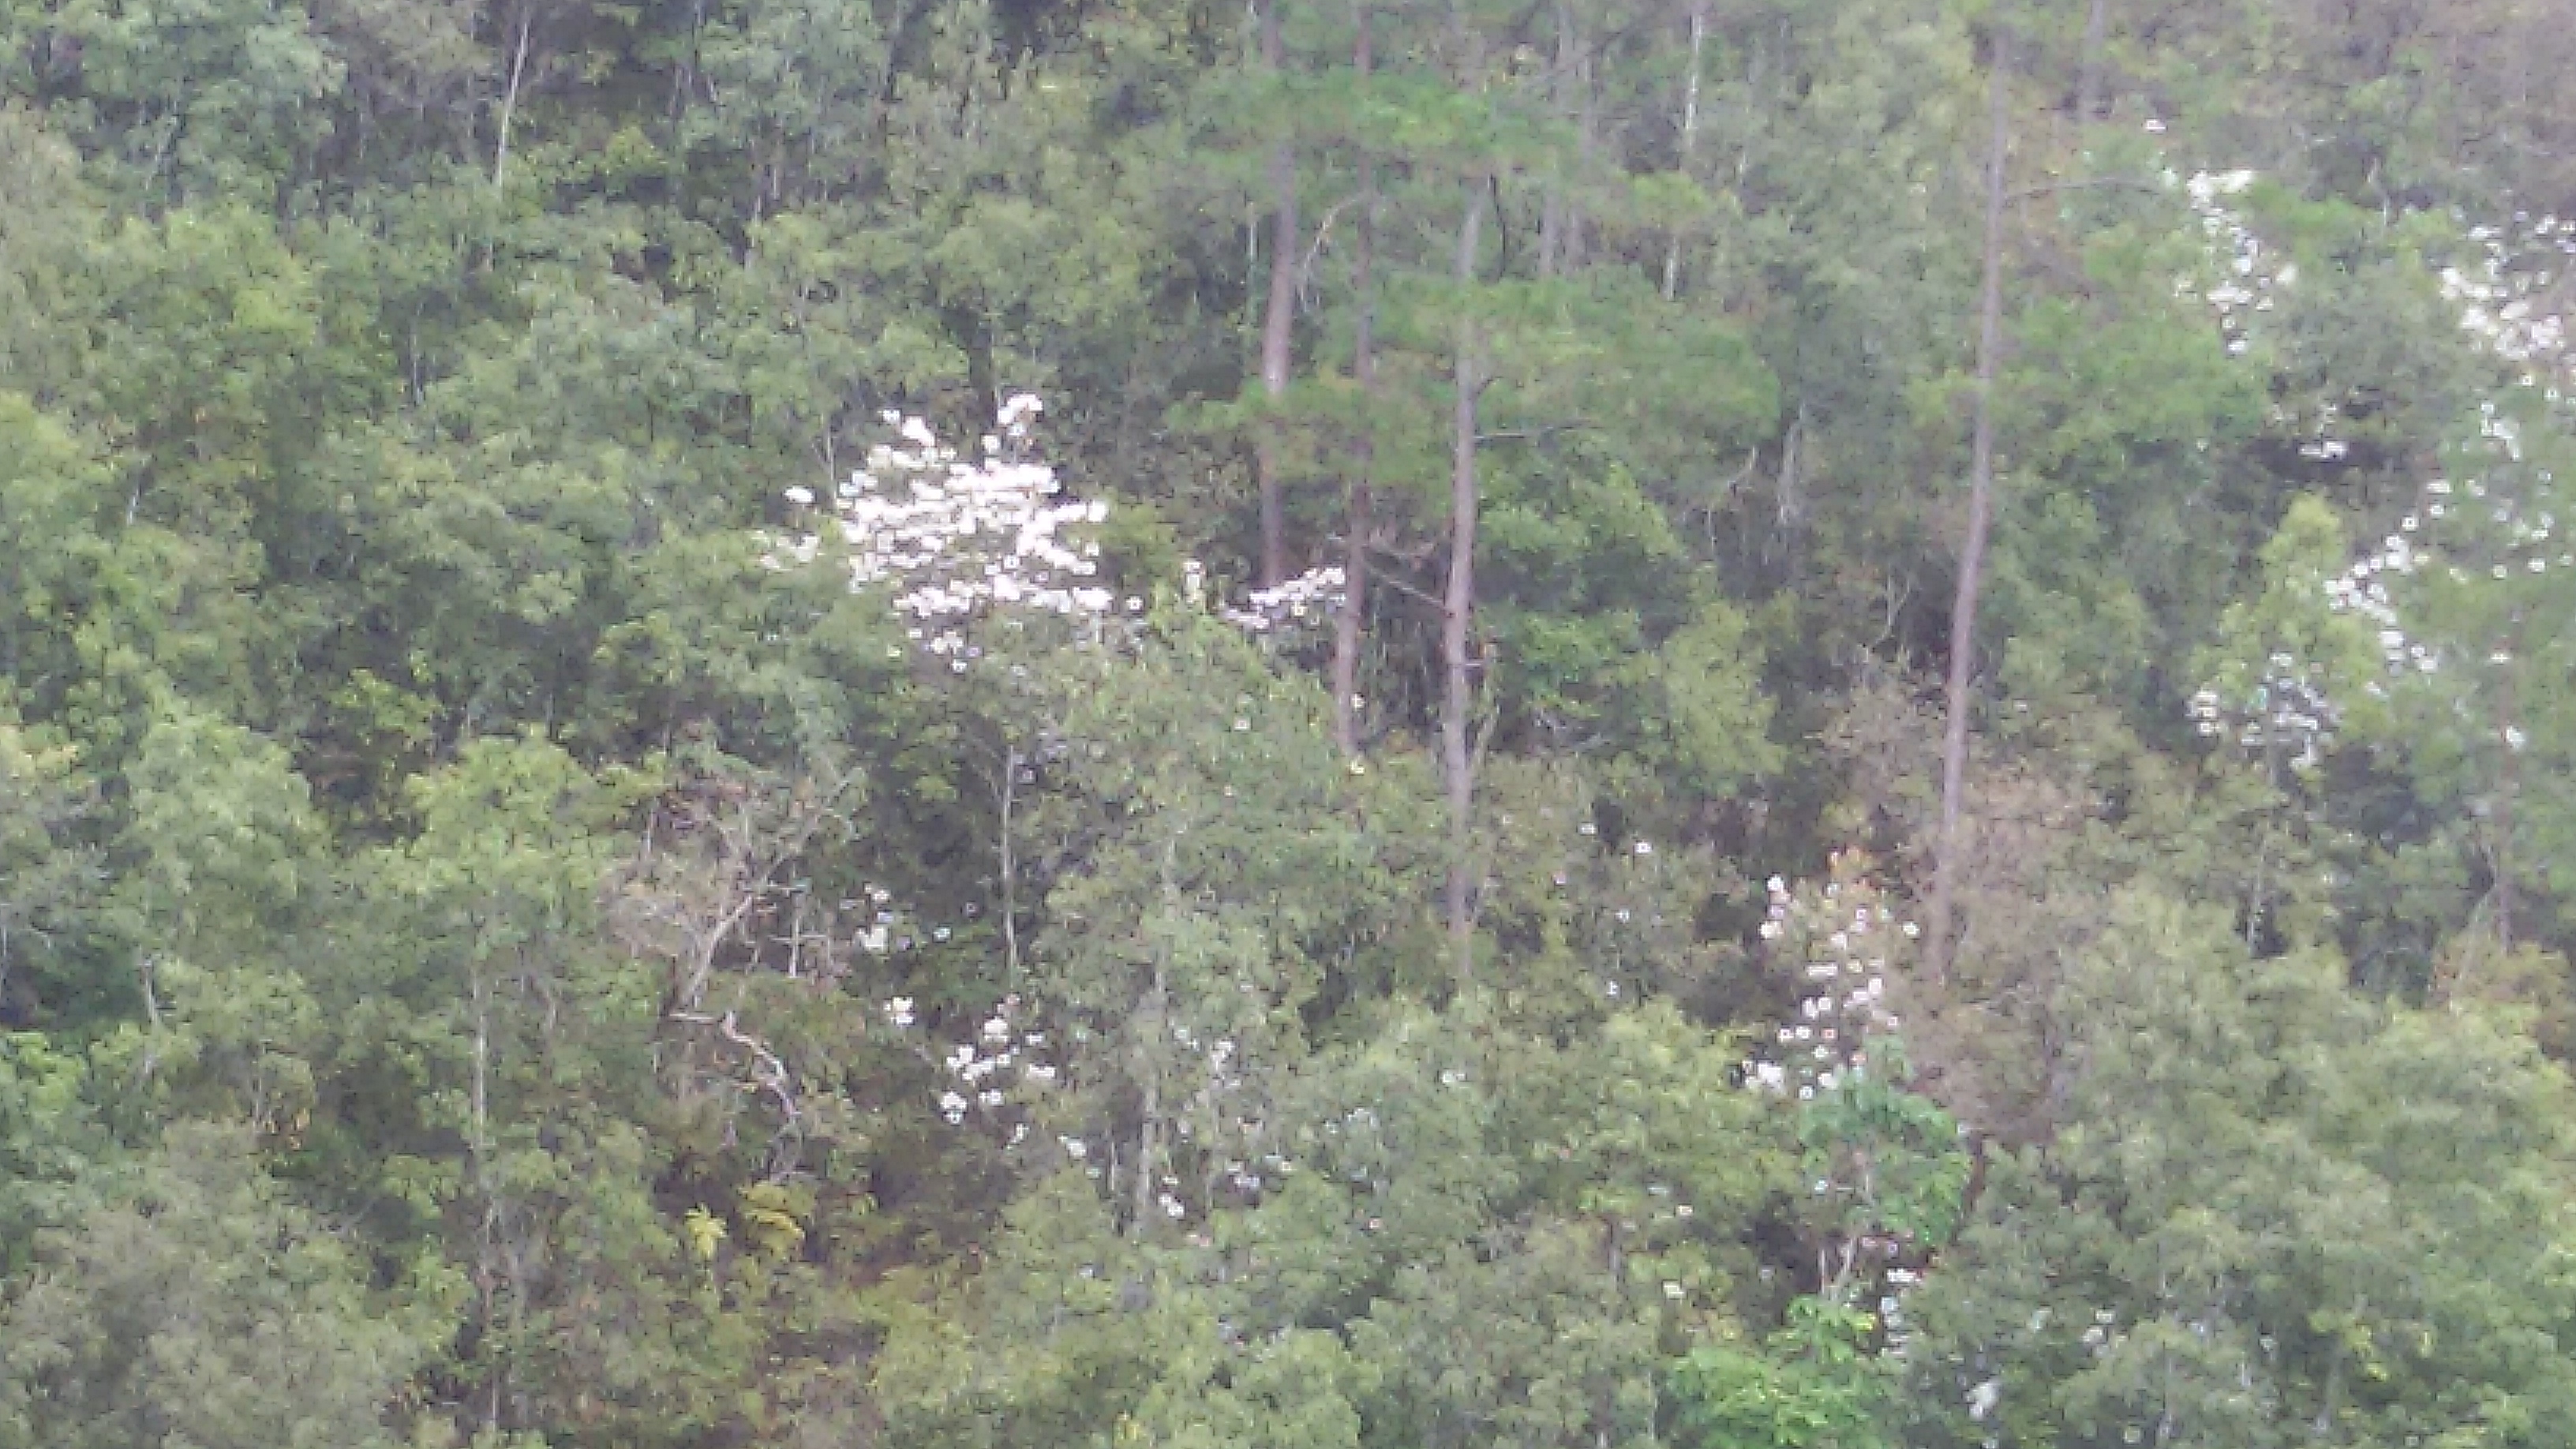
[2456, 531]
[2468, 533]
[956, 538]
[1002, 1065]
[887, 928]
[878, 936]
[1312, 596]
[2286, 709]
[2319, 444]
[2482, 530]
[1848, 936]
[2363, 589]
[1002, 1072]
[2502, 297]
[2246, 279]
[1847, 944]
[2513, 543]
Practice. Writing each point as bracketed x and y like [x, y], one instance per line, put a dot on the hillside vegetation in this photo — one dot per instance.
[1014, 724]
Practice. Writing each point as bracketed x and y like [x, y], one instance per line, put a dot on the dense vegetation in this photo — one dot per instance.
[1736, 723]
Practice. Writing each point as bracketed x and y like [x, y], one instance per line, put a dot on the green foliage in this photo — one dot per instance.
[1818, 1387]
[181, 1308]
[2248, 1151]
[502, 944]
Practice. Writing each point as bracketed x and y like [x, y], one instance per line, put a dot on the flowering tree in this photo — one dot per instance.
[1886, 1171]
[2449, 602]
[956, 539]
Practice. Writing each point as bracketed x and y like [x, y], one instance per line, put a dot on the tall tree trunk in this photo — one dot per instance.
[510, 97]
[1347, 627]
[1690, 139]
[2088, 75]
[1276, 321]
[1551, 202]
[1153, 1015]
[1587, 136]
[2507, 724]
[1459, 606]
[1972, 550]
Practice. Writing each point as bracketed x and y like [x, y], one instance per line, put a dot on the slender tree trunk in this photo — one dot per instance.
[1972, 550]
[1459, 606]
[489, 1265]
[1587, 135]
[2259, 899]
[1010, 871]
[1347, 627]
[1551, 201]
[2088, 76]
[1690, 139]
[1149, 1145]
[2511, 786]
[1153, 1015]
[1276, 320]
[510, 98]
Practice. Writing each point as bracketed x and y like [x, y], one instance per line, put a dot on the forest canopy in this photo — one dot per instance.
[1740, 724]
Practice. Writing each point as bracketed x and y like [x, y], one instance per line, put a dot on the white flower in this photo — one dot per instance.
[899, 1010]
[1672, 1290]
[1645, 848]
[801, 496]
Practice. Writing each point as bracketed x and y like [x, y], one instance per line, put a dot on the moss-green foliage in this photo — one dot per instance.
[488, 957]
